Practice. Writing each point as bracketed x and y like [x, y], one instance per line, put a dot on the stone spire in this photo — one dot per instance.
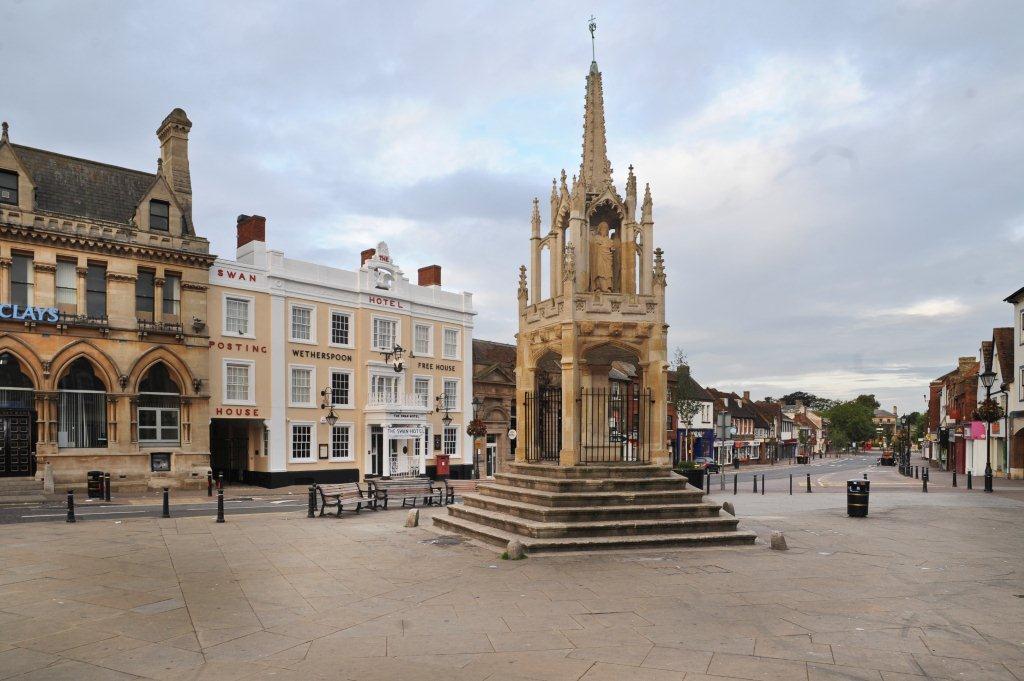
[535, 218]
[595, 170]
[3, 134]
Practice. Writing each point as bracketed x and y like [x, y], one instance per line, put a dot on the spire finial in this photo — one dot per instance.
[3, 135]
[593, 27]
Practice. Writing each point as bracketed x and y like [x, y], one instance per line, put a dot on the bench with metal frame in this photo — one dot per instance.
[458, 487]
[343, 494]
[409, 490]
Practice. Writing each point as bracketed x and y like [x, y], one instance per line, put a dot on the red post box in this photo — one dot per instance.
[443, 465]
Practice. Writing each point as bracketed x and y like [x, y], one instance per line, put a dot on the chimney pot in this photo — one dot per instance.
[251, 228]
[366, 255]
[430, 275]
[746, 395]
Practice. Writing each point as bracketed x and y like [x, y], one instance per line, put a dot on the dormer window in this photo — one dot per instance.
[8, 187]
[159, 215]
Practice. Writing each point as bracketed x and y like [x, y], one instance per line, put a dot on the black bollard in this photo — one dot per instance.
[721, 481]
[167, 503]
[220, 480]
[220, 505]
[924, 483]
[71, 505]
[762, 484]
[106, 487]
[808, 483]
[954, 478]
[755, 483]
[790, 484]
[865, 476]
[970, 480]
[915, 472]
[312, 502]
[735, 482]
[707, 481]
[209, 484]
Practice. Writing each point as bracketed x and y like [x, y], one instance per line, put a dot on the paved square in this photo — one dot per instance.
[929, 586]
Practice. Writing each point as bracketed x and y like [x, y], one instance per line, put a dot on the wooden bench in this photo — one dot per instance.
[409, 490]
[343, 494]
[457, 487]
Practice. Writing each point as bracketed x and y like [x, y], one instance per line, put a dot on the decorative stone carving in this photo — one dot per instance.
[586, 328]
[568, 262]
[615, 329]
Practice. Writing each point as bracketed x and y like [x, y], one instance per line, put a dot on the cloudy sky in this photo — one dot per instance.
[837, 186]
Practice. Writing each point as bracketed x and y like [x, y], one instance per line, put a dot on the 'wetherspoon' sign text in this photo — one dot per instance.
[28, 313]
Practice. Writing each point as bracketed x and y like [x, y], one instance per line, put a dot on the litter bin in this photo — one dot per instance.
[857, 498]
[94, 485]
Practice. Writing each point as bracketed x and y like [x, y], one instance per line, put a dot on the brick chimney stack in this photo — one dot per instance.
[430, 275]
[251, 228]
[746, 395]
[366, 255]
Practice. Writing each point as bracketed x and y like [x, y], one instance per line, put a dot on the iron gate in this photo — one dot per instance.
[615, 425]
[544, 414]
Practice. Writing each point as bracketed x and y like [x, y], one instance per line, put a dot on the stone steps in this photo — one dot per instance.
[499, 537]
[601, 471]
[530, 511]
[549, 484]
[21, 491]
[592, 528]
[678, 495]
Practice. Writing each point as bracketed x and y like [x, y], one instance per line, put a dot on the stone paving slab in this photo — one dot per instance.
[926, 587]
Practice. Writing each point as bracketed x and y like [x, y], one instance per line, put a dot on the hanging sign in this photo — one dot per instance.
[512, 434]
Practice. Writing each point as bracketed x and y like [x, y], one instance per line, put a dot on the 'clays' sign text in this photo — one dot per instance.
[28, 313]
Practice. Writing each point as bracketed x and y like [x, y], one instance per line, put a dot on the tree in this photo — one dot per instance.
[852, 421]
[868, 401]
[686, 405]
[798, 396]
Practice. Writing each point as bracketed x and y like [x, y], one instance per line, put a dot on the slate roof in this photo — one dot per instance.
[491, 352]
[691, 388]
[81, 188]
[1003, 339]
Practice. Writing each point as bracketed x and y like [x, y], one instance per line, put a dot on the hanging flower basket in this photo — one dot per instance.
[476, 428]
[988, 411]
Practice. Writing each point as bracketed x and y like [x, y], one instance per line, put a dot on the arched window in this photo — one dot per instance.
[16, 389]
[159, 407]
[82, 407]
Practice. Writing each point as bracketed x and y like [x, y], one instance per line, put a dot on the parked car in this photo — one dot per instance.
[708, 464]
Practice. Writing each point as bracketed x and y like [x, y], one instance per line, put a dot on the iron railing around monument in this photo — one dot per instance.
[615, 425]
[544, 419]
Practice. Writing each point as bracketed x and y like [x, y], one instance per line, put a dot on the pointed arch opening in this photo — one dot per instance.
[82, 407]
[158, 407]
[17, 391]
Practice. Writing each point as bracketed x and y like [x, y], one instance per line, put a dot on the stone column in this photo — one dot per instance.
[570, 452]
[82, 303]
[5, 279]
[158, 299]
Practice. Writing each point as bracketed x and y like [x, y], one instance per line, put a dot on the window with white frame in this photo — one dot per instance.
[341, 328]
[302, 323]
[341, 388]
[301, 386]
[385, 333]
[451, 394]
[450, 441]
[384, 388]
[417, 443]
[421, 340]
[236, 316]
[341, 442]
[238, 381]
[302, 442]
[451, 344]
[421, 389]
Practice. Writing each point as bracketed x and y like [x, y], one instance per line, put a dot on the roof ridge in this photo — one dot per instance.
[83, 160]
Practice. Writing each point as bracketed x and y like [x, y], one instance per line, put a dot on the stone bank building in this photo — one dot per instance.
[295, 343]
[103, 317]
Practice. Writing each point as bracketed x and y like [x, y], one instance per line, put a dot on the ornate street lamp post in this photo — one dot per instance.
[328, 403]
[987, 379]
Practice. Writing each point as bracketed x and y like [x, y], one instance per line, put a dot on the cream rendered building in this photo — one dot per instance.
[283, 331]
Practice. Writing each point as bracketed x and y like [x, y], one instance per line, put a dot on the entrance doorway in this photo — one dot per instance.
[16, 443]
[377, 450]
[492, 454]
[229, 449]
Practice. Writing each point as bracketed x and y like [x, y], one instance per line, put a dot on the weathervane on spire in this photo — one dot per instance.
[593, 27]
